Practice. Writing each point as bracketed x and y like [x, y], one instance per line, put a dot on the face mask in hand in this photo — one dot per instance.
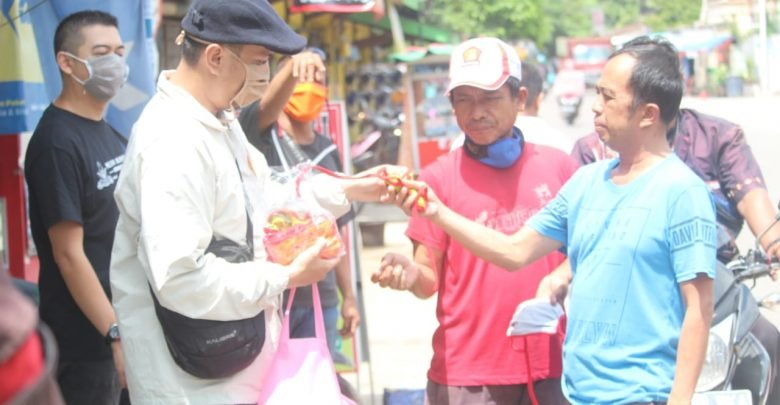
[107, 74]
[306, 102]
[255, 83]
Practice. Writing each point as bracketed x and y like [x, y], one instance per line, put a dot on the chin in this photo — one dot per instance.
[602, 134]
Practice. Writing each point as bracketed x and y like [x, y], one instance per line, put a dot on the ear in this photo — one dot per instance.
[538, 101]
[213, 58]
[522, 96]
[65, 62]
[650, 115]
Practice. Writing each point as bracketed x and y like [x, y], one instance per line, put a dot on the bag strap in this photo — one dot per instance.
[319, 319]
[249, 228]
[278, 147]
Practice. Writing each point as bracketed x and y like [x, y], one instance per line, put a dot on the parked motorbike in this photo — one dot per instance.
[738, 369]
[569, 106]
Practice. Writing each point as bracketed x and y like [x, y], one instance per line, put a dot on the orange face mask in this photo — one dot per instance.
[306, 101]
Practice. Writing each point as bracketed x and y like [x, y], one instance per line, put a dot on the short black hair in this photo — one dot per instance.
[68, 35]
[191, 50]
[656, 77]
[514, 86]
[532, 81]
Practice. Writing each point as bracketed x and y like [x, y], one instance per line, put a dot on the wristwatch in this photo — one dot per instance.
[112, 335]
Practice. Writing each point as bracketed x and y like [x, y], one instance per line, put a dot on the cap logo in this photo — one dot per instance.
[471, 55]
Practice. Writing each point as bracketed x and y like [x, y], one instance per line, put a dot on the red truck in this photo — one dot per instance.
[588, 55]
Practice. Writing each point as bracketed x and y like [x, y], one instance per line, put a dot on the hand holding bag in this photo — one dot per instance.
[302, 371]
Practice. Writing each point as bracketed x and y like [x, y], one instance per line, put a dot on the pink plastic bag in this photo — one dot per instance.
[302, 371]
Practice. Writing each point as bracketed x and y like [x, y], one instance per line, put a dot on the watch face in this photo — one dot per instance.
[113, 334]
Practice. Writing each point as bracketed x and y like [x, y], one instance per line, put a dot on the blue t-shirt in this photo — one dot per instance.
[630, 246]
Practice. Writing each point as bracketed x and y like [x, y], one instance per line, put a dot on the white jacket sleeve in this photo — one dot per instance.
[176, 191]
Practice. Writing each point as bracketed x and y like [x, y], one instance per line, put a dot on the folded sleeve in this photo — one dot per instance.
[692, 234]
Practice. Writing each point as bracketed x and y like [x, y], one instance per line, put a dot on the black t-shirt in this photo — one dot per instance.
[264, 143]
[72, 165]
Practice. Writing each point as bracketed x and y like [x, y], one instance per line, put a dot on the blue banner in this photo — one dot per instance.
[30, 78]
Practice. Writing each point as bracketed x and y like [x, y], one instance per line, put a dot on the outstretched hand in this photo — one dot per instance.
[413, 197]
[397, 272]
[773, 252]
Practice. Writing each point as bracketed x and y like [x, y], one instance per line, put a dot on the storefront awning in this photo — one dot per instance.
[410, 28]
[415, 53]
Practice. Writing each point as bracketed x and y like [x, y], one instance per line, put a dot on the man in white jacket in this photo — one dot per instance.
[190, 176]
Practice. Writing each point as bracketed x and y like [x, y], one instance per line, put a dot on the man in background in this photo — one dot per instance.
[71, 167]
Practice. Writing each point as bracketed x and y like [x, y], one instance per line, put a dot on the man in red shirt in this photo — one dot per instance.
[499, 180]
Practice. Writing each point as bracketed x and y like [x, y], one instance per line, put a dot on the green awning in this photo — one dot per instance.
[411, 28]
[414, 53]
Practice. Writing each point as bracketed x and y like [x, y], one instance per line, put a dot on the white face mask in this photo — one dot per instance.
[107, 74]
[255, 83]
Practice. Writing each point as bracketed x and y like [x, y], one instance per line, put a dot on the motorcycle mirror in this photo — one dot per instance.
[771, 302]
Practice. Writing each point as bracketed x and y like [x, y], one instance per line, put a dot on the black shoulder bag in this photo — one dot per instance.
[214, 349]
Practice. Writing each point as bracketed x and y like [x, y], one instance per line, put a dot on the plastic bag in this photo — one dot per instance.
[295, 222]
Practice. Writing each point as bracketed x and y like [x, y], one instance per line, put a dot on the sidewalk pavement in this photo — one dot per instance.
[399, 327]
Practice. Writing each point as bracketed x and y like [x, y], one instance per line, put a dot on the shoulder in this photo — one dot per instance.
[695, 123]
[678, 177]
[444, 163]
[588, 141]
[539, 151]
[168, 134]
[322, 141]
[249, 116]
[588, 174]
[53, 132]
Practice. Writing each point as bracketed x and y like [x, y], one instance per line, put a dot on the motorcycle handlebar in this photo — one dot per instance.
[756, 267]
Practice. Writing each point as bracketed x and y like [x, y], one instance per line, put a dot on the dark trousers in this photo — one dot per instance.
[89, 382]
[548, 392]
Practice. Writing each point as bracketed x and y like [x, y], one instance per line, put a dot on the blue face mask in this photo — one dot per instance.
[499, 154]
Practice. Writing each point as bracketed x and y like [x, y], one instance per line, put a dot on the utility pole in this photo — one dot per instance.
[763, 49]
[397, 31]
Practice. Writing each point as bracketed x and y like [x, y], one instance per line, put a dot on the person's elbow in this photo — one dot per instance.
[67, 259]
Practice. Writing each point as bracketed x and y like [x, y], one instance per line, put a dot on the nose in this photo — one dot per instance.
[598, 105]
[478, 111]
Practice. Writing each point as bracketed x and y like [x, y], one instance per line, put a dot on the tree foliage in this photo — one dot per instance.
[505, 19]
[667, 14]
[544, 20]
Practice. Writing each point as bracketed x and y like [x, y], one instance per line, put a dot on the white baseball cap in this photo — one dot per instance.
[485, 63]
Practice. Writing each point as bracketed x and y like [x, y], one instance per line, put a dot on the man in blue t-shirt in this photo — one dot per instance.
[640, 233]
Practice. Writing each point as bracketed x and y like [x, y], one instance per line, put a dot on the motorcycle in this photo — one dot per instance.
[738, 369]
[569, 106]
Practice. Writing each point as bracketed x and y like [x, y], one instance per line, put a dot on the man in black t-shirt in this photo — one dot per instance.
[286, 137]
[71, 167]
